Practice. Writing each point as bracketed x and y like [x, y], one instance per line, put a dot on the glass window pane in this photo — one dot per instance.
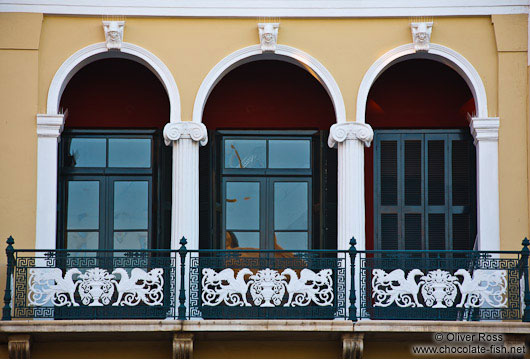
[86, 152]
[237, 240]
[130, 240]
[131, 204]
[245, 153]
[289, 154]
[291, 240]
[242, 205]
[290, 205]
[130, 152]
[83, 205]
[82, 240]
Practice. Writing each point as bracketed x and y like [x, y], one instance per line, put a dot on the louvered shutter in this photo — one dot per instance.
[413, 206]
[424, 190]
[386, 206]
[463, 194]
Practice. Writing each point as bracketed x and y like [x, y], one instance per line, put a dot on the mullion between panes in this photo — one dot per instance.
[449, 192]
[425, 183]
[106, 152]
[401, 191]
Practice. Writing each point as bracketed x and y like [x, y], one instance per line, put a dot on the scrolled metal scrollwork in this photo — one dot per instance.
[267, 287]
[439, 288]
[95, 287]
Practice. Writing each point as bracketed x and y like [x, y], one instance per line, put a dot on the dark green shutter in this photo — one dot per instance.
[424, 190]
[206, 182]
[163, 194]
[327, 171]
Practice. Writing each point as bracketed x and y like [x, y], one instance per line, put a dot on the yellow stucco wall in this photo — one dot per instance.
[512, 43]
[191, 47]
[266, 349]
[19, 42]
[114, 349]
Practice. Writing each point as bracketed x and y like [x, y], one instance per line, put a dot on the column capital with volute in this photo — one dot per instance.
[195, 131]
[341, 132]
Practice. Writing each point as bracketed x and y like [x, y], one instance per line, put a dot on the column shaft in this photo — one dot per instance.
[185, 206]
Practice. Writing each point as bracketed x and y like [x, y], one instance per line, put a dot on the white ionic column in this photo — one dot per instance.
[485, 131]
[49, 128]
[186, 137]
[350, 138]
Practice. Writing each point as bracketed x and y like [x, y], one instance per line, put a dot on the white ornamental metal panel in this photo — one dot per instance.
[96, 287]
[267, 287]
[439, 288]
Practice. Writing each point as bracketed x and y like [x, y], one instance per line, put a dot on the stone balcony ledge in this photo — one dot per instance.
[337, 326]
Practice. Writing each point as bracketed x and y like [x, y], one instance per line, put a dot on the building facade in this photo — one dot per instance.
[280, 179]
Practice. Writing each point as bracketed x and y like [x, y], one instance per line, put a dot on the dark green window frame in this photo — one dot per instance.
[157, 177]
[320, 178]
[418, 211]
[267, 178]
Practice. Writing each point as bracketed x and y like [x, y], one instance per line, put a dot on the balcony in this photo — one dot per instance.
[276, 284]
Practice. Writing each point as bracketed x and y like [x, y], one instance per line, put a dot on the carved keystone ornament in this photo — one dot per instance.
[268, 36]
[113, 34]
[421, 35]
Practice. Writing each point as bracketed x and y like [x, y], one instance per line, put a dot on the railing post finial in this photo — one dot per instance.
[525, 253]
[10, 251]
[183, 242]
[353, 254]
[182, 295]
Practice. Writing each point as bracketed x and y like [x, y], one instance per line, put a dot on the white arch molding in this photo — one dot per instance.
[484, 129]
[99, 51]
[50, 125]
[436, 52]
[282, 53]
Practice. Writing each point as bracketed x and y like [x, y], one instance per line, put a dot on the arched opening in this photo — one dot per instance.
[420, 174]
[268, 121]
[115, 93]
[269, 94]
[114, 188]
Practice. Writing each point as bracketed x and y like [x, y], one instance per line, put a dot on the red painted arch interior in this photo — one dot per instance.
[115, 93]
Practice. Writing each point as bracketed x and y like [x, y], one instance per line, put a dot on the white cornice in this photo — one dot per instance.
[484, 129]
[270, 8]
[50, 125]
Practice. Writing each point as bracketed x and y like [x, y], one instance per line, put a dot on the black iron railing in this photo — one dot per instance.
[267, 284]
